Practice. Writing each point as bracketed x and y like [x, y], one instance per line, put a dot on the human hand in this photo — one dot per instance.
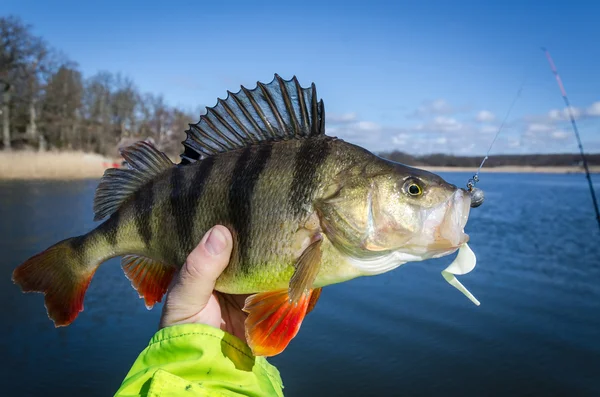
[191, 297]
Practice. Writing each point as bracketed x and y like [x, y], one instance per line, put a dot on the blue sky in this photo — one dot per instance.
[416, 76]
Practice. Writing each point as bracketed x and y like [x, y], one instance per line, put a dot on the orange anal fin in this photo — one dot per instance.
[150, 278]
[273, 320]
[314, 298]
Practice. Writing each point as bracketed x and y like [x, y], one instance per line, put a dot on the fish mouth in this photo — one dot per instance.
[449, 235]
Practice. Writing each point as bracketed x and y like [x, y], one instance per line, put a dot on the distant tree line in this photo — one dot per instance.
[497, 160]
[47, 103]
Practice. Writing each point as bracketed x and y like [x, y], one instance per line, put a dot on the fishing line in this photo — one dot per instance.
[575, 130]
[477, 194]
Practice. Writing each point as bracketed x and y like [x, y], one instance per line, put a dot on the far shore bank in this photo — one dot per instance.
[516, 169]
[23, 165]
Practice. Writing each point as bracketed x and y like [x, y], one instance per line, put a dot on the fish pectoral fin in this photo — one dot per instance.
[150, 278]
[306, 269]
[274, 320]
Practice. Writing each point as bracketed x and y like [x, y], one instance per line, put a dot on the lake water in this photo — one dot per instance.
[407, 332]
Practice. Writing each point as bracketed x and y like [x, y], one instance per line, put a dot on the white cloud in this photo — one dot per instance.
[560, 134]
[594, 109]
[436, 106]
[446, 124]
[485, 116]
[539, 132]
[563, 114]
[342, 117]
[367, 126]
[439, 106]
[437, 124]
[539, 127]
[347, 126]
[401, 139]
[488, 129]
[578, 113]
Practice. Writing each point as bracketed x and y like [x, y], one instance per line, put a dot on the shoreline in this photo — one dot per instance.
[24, 165]
[517, 169]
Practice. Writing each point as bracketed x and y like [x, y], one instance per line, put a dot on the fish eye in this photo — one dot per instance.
[412, 188]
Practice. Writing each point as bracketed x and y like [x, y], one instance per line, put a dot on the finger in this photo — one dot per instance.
[196, 280]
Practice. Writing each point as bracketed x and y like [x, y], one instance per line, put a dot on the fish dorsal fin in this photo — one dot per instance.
[145, 162]
[279, 110]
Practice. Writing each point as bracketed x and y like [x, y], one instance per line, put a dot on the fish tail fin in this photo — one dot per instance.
[62, 275]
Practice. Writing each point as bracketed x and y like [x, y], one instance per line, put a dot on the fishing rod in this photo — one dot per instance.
[575, 130]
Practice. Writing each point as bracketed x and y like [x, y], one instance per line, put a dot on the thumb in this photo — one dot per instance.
[194, 285]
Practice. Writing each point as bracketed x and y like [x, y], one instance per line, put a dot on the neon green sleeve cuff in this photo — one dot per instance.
[197, 359]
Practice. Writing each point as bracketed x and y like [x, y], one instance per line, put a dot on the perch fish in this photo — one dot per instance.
[305, 209]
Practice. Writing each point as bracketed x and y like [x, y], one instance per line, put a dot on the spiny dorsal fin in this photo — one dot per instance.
[145, 162]
[279, 110]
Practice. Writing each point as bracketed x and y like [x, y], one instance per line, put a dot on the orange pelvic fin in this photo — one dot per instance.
[150, 278]
[274, 320]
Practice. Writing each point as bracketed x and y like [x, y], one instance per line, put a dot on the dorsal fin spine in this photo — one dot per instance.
[199, 147]
[247, 138]
[212, 125]
[288, 106]
[260, 113]
[206, 136]
[270, 102]
[314, 106]
[248, 115]
[321, 122]
[303, 111]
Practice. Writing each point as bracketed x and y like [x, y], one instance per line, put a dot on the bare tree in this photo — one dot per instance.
[101, 136]
[25, 63]
[124, 103]
[61, 108]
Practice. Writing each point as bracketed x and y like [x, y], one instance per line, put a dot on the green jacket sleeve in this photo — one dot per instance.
[199, 360]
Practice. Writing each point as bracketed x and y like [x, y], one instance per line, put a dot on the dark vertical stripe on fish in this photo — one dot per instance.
[185, 202]
[143, 202]
[310, 156]
[178, 209]
[78, 243]
[246, 173]
[110, 228]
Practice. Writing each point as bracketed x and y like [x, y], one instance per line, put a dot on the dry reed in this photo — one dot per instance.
[51, 165]
[79, 165]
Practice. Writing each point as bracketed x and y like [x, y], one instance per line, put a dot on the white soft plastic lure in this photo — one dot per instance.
[463, 263]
